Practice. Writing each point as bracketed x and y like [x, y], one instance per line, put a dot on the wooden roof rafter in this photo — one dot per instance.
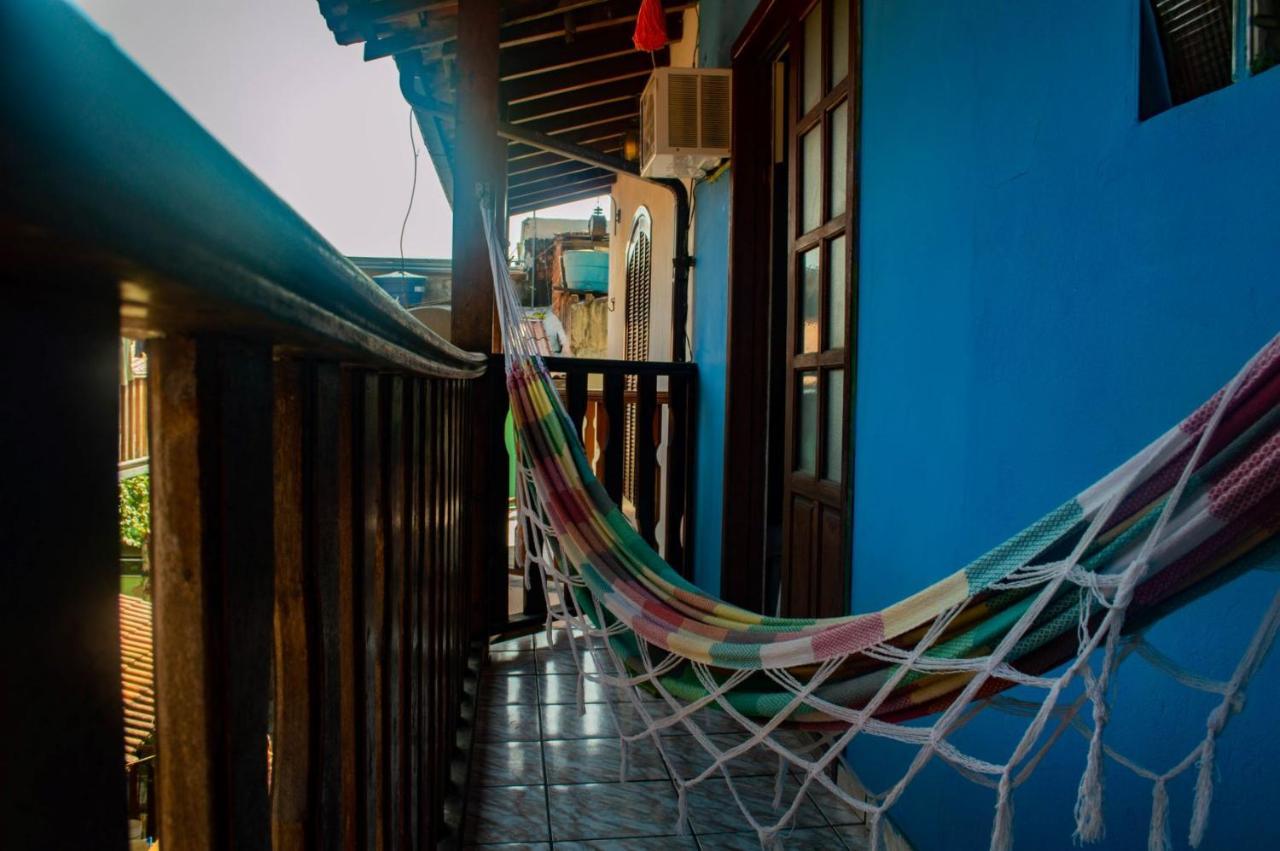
[565, 171]
[592, 137]
[544, 58]
[561, 195]
[557, 83]
[568, 71]
[516, 169]
[589, 97]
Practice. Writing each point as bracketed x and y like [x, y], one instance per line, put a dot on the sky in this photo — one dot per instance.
[328, 132]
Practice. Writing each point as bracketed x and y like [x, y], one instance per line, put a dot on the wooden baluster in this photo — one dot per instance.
[413, 608]
[323, 477]
[448, 576]
[371, 608]
[212, 545]
[614, 408]
[452, 535]
[348, 593]
[576, 390]
[429, 601]
[646, 457]
[679, 470]
[392, 416]
[61, 761]
[449, 570]
[494, 514]
[291, 750]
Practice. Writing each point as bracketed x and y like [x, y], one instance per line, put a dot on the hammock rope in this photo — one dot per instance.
[1068, 598]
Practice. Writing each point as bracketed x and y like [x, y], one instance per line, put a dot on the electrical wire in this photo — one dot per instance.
[413, 190]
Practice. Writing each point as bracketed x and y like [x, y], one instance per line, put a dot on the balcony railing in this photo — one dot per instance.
[317, 574]
[635, 418]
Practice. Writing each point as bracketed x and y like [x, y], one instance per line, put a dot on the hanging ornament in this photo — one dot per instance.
[651, 26]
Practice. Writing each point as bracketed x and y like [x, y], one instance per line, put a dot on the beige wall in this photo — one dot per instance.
[629, 195]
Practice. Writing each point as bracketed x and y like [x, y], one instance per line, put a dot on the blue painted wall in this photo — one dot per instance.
[1046, 285]
[710, 299]
[719, 24]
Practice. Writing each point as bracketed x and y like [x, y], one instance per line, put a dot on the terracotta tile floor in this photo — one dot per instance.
[545, 777]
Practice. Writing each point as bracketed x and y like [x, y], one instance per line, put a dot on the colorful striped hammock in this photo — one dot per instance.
[1198, 505]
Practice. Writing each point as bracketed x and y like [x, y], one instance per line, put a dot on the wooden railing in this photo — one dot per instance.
[636, 422]
[316, 581]
[133, 420]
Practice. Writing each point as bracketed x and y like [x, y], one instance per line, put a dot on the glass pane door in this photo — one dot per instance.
[822, 127]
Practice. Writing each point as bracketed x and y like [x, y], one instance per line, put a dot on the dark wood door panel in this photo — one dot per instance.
[799, 592]
[833, 593]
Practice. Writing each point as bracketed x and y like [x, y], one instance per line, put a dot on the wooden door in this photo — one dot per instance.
[821, 135]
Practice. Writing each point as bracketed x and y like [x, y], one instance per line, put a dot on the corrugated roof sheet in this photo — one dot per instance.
[137, 673]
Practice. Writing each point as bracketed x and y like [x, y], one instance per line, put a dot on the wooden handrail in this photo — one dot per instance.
[606, 366]
[100, 164]
[318, 576]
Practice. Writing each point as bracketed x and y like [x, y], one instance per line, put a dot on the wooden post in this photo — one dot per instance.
[480, 161]
[371, 607]
[291, 740]
[350, 731]
[62, 758]
[326, 476]
[212, 511]
[393, 525]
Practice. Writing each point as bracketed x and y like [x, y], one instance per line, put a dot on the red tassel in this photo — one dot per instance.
[651, 26]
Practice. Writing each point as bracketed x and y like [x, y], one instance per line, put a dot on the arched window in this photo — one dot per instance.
[639, 288]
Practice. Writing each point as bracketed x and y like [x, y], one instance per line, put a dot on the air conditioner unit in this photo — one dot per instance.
[684, 121]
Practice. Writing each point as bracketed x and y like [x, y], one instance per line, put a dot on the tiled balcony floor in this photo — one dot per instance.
[544, 777]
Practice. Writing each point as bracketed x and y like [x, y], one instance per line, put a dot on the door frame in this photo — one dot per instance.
[747, 426]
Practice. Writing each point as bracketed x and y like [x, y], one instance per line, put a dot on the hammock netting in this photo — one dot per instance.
[1062, 602]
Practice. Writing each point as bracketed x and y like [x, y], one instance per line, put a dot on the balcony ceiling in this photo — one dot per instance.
[567, 69]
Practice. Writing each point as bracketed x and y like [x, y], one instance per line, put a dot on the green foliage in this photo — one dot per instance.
[135, 510]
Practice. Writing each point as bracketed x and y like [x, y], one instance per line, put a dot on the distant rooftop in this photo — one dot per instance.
[428, 266]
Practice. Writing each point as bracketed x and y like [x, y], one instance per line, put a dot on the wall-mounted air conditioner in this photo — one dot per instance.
[684, 121]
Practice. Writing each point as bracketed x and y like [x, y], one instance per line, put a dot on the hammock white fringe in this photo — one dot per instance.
[809, 758]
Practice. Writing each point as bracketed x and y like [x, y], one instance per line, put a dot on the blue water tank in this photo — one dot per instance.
[586, 271]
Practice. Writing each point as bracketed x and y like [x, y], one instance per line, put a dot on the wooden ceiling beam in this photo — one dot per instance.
[526, 12]
[625, 112]
[572, 24]
[547, 193]
[568, 150]
[562, 199]
[566, 171]
[537, 167]
[538, 59]
[543, 159]
[596, 138]
[556, 83]
[534, 29]
[587, 98]
[561, 194]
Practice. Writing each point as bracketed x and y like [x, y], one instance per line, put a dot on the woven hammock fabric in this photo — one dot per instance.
[1199, 503]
